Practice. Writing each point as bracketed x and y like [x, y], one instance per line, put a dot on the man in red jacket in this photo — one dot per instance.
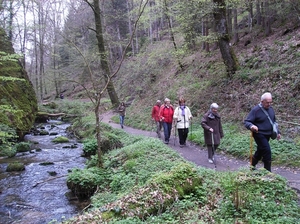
[155, 117]
[166, 116]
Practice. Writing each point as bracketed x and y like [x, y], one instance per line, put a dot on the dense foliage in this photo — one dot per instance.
[147, 182]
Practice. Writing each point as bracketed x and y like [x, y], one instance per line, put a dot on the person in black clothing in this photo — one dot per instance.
[258, 122]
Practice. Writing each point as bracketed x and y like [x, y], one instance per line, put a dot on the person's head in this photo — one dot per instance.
[266, 100]
[158, 102]
[181, 101]
[167, 101]
[214, 108]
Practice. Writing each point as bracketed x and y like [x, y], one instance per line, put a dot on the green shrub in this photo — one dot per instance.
[7, 150]
[90, 147]
[83, 183]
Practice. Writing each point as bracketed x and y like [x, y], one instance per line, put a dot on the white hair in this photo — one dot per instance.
[167, 100]
[214, 105]
[265, 96]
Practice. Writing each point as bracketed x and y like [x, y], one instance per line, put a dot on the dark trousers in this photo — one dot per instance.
[263, 150]
[182, 134]
[211, 149]
[167, 130]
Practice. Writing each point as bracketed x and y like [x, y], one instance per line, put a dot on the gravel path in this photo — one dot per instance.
[198, 155]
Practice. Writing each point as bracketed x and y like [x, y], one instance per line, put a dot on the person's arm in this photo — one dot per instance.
[221, 130]
[249, 121]
[153, 113]
[189, 113]
[175, 115]
[204, 122]
[160, 113]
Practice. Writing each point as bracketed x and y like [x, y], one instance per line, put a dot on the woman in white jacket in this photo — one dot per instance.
[182, 116]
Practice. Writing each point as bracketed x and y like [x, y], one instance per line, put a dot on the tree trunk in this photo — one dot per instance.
[130, 26]
[235, 27]
[171, 31]
[103, 55]
[227, 51]
[258, 12]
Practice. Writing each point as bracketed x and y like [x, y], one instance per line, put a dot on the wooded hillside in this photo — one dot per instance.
[224, 51]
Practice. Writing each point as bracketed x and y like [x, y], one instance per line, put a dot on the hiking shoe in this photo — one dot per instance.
[181, 146]
[210, 161]
[166, 142]
[122, 126]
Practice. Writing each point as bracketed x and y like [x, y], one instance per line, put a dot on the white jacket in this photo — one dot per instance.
[182, 121]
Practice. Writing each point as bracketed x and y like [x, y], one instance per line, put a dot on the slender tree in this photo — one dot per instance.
[167, 14]
[96, 99]
[103, 54]
[226, 49]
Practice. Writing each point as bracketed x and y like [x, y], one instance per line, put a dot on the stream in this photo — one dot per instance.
[39, 194]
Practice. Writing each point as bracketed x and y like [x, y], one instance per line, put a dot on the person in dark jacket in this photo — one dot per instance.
[258, 122]
[122, 113]
[155, 117]
[166, 112]
[213, 131]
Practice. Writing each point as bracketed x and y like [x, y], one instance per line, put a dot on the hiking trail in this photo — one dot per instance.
[198, 155]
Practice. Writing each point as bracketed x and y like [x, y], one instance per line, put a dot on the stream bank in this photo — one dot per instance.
[39, 194]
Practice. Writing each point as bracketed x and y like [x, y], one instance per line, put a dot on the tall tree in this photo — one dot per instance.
[226, 49]
[103, 54]
[103, 60]
[167, 14]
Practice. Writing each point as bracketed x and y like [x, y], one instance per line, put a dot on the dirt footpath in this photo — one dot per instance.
[198, 155]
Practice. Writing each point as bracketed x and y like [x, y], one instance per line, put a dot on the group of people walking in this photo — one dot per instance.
[164, 116]
[260, 121]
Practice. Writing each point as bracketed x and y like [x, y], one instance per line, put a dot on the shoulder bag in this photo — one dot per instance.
[274, 124]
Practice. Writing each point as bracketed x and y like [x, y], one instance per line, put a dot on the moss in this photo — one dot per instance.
[60, 139]
[159, 193]
[22, 147]
[16, 166]
[18, 104]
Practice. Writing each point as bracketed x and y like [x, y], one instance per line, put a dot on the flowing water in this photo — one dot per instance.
[39, 194]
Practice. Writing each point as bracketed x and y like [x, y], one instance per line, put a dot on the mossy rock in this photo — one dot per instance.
[83, 183]
[44, 132]
[60, 139]
[18, 105]
[16, 166]
[46, 163]
[23, 147]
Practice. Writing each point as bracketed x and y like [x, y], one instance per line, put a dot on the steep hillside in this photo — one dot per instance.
[266, 64]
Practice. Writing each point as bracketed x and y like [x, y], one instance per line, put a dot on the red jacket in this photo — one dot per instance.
[166, 113]
[155, 112]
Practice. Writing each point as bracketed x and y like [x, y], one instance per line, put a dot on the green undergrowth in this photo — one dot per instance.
[147, 182]
[236, 141]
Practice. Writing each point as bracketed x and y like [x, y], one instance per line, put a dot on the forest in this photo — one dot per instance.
[137, 51]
